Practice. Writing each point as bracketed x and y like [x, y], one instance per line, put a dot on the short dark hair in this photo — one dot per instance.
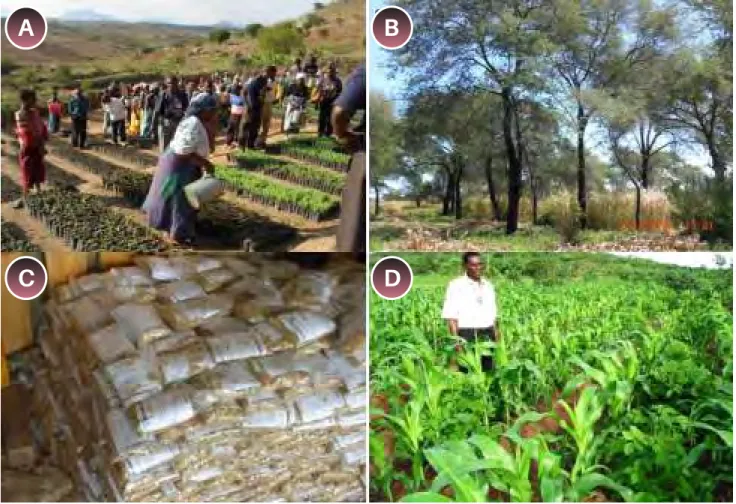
[468, 255]
[27, 94]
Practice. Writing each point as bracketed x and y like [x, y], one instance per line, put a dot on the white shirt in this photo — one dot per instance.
[191, 136]
[471, 303]
[116, 109]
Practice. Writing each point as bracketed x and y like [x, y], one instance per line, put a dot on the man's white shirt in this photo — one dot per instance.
[471, 303]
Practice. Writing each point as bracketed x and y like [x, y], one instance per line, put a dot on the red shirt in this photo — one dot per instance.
[55, 108]
[30, 128]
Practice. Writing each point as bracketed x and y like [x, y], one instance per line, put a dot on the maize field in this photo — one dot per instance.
[612, 381]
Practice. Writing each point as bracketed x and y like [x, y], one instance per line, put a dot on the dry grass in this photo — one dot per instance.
[606, 211]
[617, 211]
[564, 212]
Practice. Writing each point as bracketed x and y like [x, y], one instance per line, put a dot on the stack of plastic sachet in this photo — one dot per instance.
[194, 378]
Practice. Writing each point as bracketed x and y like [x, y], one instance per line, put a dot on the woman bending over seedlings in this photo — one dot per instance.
[32, 136]
[183, 162]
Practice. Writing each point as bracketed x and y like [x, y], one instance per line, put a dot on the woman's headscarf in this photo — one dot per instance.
[202, 102]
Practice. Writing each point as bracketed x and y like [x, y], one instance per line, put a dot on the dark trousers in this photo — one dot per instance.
[233, 128]
[351, 231]
[325, 121]
[488, 333]
[79, 132]
[250, 130]
[118, 130]
[166, 130]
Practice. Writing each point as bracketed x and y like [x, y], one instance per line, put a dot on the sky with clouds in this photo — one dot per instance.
[173, 11]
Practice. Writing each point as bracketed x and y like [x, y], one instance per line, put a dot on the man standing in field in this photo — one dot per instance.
[470, 306]
[170, 111]
[256, 98]
[330, 88]
[78, 110]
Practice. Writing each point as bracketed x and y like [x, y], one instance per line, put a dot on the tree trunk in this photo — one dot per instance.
[638, 207]
[582, 192]
[645, 168]
[719, 166]
[495, 204]
[458, 194]
[418, 201]
[515, 165]
[377, 209]
[535, 204]
[449, 194]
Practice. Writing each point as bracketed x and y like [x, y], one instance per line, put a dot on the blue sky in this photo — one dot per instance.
[173, 11]
[378, 59]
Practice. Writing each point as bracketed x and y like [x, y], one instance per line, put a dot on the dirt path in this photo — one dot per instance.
[33, 229]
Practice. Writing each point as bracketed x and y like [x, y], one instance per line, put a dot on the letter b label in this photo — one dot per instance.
[392, 27]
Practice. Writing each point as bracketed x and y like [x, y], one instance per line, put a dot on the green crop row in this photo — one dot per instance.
[309, 140]
[308, 202]
[613, 377]
[132, 185]
[127, 153]
[15, 239]
[318, 154]
[10, 189]
[85, 160]
[86, 223]
[311, 176]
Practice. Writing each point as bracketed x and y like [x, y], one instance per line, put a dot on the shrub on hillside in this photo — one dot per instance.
[63, 74]
[252, 30]
[8, 65]
[220, 36]
[324, 32]
[319, 6]
[280, 39]
[313, 20]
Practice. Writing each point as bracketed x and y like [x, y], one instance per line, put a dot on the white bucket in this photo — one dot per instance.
[203, 190]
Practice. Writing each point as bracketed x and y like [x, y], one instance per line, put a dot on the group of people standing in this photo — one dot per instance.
[144, 111]
[78, 109]
[250, 101]
[245, 103]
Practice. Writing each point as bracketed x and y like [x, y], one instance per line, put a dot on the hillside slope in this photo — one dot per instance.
[91, 49]
[69, 43]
